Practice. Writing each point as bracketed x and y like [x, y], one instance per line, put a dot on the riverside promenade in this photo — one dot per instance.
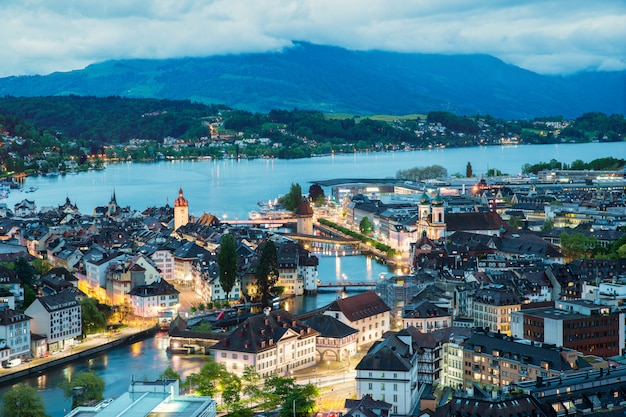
[90, 346]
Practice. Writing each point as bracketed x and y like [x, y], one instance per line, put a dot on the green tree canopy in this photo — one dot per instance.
[92, 318]
[422, 173]
[22, 401]
[207, 381]
[316, 194]
[293, 198]
[227, 263]
[169, 373]
[365, 226]
[92, 383]
[267, 271]
[469, 173]
[577, 245]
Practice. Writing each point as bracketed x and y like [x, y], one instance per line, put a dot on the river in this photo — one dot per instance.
[232, 188]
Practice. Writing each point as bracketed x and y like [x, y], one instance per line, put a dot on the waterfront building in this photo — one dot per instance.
[150, 398]
[14, 334]
[159, 299]
[581, 325]
[273, 343]
[181, 210]
[388, 372]
[366, 312]
[58, 317]
[336, 341]
[25, 208]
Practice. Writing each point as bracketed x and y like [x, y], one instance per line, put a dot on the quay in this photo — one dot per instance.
[90, 346]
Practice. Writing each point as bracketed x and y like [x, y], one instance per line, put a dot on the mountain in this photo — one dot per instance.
[332, 79]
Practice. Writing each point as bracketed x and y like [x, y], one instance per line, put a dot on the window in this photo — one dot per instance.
[369, 386]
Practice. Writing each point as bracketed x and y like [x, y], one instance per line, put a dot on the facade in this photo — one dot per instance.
[159, 299]
[15, 333]
[496, 360]
[388, 372]
[304, 218]
[336, 341]
[491, 307]
[58, 317]
[579, 325]
[425, 317]
[365, 312]
[273, 343]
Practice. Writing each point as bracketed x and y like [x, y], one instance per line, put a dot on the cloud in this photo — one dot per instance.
[548, 36]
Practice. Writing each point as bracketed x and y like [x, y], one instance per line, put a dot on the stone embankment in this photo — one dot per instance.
[90, 346]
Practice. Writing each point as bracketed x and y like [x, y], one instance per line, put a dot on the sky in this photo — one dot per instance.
[544, 36]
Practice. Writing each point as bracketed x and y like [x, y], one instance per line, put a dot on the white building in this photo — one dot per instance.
[388, 372]
[366, 312]
[159, 299]
[58, 317]
[15, 333]
[274, 343]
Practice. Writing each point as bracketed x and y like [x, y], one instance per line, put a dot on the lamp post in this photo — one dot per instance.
[294, 407]
[328, 364]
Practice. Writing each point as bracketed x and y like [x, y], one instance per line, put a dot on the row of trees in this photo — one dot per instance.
[600, 164]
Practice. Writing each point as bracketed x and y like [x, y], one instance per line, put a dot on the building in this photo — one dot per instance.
[57, 317]
[181, 211]
[388, 372]
[495, 360]
[159, 299]
[579, 325]
[425, 317]
[15, 334]
[304, 218]
[151, 398]
[491, 307]
[365, 312]
[336, 341]
[273, 343]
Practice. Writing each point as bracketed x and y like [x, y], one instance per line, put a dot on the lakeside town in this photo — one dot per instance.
[508, 295]
[489, 294]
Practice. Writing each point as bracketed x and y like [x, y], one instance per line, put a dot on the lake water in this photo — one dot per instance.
[232, 188]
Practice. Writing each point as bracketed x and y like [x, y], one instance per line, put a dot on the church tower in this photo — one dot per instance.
[181, 210]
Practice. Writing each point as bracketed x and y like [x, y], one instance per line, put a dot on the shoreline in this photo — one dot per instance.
[90, 346]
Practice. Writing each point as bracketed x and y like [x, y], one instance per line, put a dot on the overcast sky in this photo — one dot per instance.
[545, 36]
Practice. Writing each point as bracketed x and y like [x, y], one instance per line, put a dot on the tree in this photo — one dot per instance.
[207, 380]
[267, 271]
[469, 173]
[548, 225]
[227, 263]
[169, 373]
[22, 401]
[316, 194]
[42, 266]
[25, 272]
[92, 384]
[92, 318]
[301, 401]
[231, 389]
[515, 222]
[577, 245]
[293, 198]
[365, 226]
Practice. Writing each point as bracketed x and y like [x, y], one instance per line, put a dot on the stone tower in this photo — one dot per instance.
[181, 210]
[304, 216]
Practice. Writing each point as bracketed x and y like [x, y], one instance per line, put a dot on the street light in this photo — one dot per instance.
[328, 364]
